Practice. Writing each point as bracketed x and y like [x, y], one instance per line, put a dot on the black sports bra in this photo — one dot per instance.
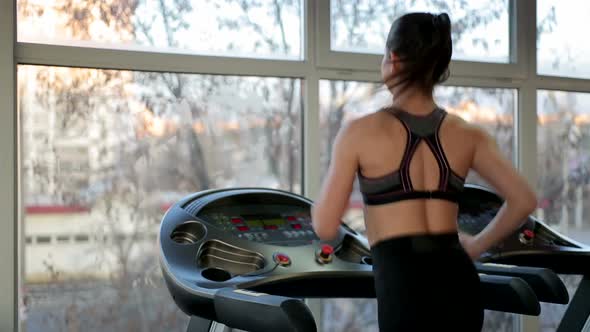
[397, 186]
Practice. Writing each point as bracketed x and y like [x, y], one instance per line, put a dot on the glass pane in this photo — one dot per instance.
[480, 28]
[133, 143]
[563, 185]
[492, 109]
[350, 315]
[563, 140]
[561, 49]
[551, 314]
[341, 101]
[243, 28]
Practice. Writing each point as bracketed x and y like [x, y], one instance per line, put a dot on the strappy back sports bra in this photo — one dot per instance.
[397, 186]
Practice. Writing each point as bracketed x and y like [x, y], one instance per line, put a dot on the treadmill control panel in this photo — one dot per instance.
[478, 207]
[281, 225]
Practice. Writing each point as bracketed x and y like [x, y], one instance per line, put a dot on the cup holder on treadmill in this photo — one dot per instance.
[235, 261]
[188, 233]
[215, 274]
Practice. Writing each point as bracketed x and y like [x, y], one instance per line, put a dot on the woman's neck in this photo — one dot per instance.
[414, 102]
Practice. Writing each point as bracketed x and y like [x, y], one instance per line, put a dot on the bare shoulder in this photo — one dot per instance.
[349, 133]
[353, 133]
[457, 122]
[360, 126]
[473, 132]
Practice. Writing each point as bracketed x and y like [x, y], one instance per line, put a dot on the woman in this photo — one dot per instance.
[411, 160]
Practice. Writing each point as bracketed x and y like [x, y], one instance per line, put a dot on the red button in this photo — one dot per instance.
[327, 250]
[236, 220]
[270, 227]
[291, 218]
[529, 233]
[296, 226]
[243, 228]
[282, 259]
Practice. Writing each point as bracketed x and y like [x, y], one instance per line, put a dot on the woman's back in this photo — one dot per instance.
[382, 142]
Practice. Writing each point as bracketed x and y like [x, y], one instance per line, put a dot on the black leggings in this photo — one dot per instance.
[426, 283]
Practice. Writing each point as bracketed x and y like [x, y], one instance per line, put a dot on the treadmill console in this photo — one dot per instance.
[479, 205]
[281, 225]
[477, 208]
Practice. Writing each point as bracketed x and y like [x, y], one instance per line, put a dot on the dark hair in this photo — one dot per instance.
[423, 43]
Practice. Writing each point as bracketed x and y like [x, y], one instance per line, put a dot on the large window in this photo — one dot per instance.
[93, 200]
[193, 94]
[340, 101]
[480, 28]
[261, 29]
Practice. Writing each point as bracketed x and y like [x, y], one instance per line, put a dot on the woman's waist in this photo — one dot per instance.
[379, 230]
[410, 217]
[417, 243]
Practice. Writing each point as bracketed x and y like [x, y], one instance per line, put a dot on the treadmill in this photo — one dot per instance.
[534, 244]
[246, 258]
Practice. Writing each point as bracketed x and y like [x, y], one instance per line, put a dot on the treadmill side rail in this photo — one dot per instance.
[259, 312]
[509, 294]
[544, 282]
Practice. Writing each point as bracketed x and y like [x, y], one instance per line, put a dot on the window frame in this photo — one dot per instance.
[319, 63]
[10, 238]
[103, 58]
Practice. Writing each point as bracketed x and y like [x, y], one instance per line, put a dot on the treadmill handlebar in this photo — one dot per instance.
[544, 282]
[509, 294]
[259, 312]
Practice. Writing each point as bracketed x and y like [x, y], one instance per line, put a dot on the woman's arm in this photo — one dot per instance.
[335, 193]
[519, 199]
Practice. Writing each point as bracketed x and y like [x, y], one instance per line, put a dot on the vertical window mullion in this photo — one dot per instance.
[311, 152]
[8, 171]
[526, 125]
[311, 146]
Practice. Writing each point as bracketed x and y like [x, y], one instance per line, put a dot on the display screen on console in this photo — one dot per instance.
[282, 225]
[263, 220]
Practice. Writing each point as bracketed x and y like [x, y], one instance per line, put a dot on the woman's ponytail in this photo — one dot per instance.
[442, 27]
